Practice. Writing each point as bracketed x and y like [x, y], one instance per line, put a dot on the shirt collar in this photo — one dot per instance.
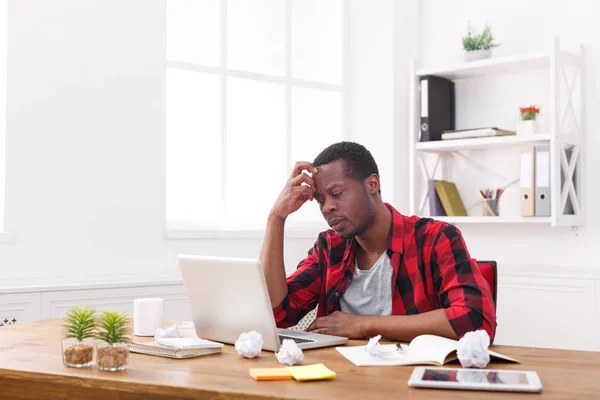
[396, 235]
[395, 238]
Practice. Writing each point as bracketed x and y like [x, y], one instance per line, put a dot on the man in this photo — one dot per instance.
[376, 271]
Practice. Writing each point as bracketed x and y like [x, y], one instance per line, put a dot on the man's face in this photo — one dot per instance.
[345, 202]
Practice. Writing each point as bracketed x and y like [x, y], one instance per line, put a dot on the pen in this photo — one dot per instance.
[399, 347]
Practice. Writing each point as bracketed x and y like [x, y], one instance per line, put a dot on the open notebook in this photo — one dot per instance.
[424, 349]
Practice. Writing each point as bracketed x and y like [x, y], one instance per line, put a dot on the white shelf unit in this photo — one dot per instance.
[442, 146]
[495, 220]
[562, 142]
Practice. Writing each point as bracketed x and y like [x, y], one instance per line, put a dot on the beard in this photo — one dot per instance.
[367, 220]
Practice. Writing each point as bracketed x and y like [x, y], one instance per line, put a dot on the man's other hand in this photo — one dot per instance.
[339, 324]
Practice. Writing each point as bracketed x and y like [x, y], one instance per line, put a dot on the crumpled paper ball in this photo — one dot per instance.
[376, 350]
[289, 353]
[170, 332]
[472, 349]
[249, 344]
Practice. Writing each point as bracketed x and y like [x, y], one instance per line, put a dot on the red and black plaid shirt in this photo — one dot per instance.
[432, 269]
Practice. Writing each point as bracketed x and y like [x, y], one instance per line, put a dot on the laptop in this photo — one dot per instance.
[229, 296]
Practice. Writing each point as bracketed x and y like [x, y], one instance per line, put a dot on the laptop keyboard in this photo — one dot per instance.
[295, 339]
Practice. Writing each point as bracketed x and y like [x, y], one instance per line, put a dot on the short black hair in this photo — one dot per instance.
[359, 163]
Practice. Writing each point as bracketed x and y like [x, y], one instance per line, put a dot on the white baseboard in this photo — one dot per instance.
[32, 304]
[98, 284]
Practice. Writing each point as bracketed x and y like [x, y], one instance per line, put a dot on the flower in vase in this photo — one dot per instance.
[529, 113]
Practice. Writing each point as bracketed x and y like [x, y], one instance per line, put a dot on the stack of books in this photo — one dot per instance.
[475, 133]
[444, 199]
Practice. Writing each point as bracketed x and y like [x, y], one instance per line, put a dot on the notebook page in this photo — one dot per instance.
[430, 348]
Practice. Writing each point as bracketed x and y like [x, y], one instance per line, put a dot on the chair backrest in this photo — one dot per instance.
[489, 270]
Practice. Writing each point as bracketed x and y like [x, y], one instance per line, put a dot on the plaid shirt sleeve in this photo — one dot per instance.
[463, 292]
[304, 287]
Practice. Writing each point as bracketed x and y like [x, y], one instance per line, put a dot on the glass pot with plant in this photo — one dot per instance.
[112, 346]
[80, 327]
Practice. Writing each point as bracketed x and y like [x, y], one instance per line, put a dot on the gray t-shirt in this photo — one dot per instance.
[370, 292]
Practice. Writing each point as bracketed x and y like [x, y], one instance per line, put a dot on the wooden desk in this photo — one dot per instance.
[31, 367]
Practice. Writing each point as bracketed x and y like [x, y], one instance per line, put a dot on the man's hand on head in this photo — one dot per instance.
[299, 189]
[340, 323]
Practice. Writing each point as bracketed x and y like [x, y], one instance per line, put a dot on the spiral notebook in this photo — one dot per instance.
[152, 348]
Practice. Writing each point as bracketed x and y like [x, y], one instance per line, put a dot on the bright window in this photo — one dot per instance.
[252, 87]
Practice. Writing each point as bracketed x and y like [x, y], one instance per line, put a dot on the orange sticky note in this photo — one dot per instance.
[270, 374]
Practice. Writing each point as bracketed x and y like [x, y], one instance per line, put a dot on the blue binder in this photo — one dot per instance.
[435, 205]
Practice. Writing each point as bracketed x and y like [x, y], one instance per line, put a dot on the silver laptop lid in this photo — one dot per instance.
[228, 296]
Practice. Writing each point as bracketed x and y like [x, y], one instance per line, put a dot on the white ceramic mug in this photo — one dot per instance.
[147, 316]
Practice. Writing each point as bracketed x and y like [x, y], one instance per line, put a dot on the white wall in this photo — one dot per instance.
[84, 184]
[523, 27]
[85, 143]
[372, 71]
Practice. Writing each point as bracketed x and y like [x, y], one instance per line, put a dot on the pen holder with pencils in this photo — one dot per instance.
[490, 208]
[490, 199]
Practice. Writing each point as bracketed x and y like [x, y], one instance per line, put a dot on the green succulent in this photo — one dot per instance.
[80, 323]
[473, 41]
[114, 328]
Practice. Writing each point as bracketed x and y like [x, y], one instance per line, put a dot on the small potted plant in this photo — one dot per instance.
[112, 346]
[528, 125]
[478, 47]
[78, 338]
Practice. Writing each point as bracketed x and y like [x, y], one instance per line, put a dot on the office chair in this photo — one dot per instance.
[489, 270]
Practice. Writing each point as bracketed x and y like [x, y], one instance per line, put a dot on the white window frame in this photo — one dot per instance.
[184, 230]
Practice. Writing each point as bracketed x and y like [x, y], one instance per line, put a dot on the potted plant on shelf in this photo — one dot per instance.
[78, 339]
[528, 125]
[478, 47]
[112, 346]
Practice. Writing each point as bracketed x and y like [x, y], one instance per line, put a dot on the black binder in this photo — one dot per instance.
[437, 107]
